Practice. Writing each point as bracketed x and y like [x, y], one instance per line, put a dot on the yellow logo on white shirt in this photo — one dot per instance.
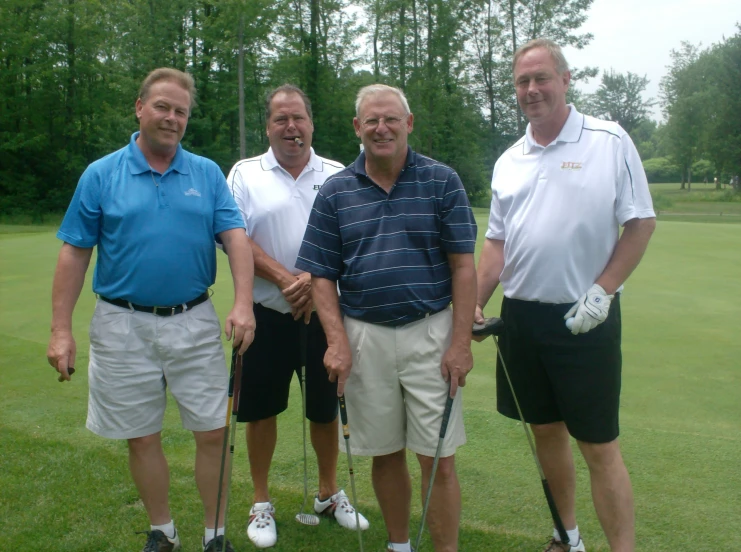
[571, 166]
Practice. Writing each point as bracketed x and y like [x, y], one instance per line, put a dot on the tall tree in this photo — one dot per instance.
[619, 98]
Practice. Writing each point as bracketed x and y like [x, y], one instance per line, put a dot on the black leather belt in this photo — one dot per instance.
[158, 311]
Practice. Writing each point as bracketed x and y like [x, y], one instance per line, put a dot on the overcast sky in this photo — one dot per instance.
[637, 35]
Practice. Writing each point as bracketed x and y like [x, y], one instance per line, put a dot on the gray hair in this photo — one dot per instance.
[184, 80]
[372, 89]
[554, 49]
[286, 89]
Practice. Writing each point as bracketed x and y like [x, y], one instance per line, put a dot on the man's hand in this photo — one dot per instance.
[240, 327]
[61, 352]
[457, 363]
[298, 294]
[589, 311]
[479, 318]
[338, 362]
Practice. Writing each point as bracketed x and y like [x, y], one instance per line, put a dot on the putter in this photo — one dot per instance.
[346, 434]
[494, 327]
[443, 430]
[301, 517]
[235, 378]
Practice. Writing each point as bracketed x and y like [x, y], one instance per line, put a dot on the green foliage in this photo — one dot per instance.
[661, 169]
[619, 98]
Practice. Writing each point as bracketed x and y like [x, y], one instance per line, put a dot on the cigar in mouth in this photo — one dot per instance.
[298, 141]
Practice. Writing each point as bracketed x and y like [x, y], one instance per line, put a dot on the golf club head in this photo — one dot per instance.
[491, 326]
[307, 519]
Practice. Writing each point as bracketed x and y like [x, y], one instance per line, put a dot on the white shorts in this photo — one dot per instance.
[136, 356]
[396, 393]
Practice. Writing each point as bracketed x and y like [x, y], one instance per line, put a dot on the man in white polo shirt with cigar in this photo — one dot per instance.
[559, 197]
[275, 193]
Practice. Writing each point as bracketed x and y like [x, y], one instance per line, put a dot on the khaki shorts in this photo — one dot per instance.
[136, 356]
[396, 393]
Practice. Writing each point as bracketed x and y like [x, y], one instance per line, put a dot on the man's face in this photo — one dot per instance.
[383, 126]
[541, 91]
[289, 120]
[163, 116]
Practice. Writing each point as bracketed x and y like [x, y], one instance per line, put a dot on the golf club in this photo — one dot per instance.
[235, 378]
[443, 430]
[494, 327]
[301, 517]
[346, 434]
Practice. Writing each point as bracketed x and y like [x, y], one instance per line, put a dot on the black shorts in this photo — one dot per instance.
[270, 362]
[558, 376]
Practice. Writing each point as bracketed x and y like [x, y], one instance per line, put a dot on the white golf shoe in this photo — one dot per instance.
[261, 527]
[338, 506]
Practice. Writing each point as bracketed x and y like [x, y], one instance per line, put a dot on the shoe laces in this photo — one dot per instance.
[154, 539]
[262, 515]
[218, 545]
[341, 501]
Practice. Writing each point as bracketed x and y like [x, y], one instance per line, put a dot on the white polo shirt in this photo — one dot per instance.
[276, 208]
[558, 208]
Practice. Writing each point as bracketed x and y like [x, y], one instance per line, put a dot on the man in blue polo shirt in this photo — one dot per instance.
[153, 210]
[396, 231]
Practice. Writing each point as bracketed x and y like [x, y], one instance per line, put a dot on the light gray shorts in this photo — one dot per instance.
[136, 356]
[396, 393]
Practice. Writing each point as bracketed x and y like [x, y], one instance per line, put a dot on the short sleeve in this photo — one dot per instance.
[633, 195]
[226, 213]
[82, 221]
[458, 226]
[321, 249]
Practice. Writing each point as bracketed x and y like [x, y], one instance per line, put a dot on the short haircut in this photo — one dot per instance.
[554, 49]
[184, 80]
[372, 89]
[287, 89]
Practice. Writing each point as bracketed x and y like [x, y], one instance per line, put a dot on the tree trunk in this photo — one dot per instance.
[513, 30]
[402, 45]
[240, 78]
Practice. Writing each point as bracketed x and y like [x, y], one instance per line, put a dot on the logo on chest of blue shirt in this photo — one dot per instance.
[193, 192]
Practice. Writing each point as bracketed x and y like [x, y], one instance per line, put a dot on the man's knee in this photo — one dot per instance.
[145, 444]
[445, 467]
[601, 456]
[390, 462]
[209, 439]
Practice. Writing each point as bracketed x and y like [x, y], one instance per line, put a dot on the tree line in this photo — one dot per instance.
[71, 71]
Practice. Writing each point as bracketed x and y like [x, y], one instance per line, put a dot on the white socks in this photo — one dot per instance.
[209, 535]
[572, 533]
[168, 529]
[400, 546]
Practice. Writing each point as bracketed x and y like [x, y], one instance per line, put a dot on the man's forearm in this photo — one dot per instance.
[491, 264]
[628, 253]
[463, 274]
[268, 268]
[240, 262]
[327, 304]
[69, 277]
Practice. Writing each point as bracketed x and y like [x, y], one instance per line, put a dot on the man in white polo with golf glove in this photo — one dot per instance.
[559, 197]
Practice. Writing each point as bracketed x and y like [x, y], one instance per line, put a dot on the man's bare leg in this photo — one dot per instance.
[393, 489]
[151, 476]
[444, 513]
[326, 446]
[262, 436]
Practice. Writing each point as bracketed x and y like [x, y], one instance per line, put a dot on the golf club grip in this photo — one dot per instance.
[554, 512]
[303, 341]
[237, 387]
[446, 416]
[343, 417]
[70, 371]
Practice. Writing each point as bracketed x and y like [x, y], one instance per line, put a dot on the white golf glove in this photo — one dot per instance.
[589, 311]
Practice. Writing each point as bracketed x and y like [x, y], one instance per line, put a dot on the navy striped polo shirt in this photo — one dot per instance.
[388, 251]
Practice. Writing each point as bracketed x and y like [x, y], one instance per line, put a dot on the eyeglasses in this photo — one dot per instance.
[391, 121]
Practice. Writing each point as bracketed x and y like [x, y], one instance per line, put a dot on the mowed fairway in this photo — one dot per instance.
[64, 489]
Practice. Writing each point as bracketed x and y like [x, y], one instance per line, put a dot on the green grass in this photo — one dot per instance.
[64, 489]
[702, 203]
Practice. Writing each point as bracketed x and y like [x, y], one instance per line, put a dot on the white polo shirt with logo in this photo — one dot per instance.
[558, 208]
[276, 208]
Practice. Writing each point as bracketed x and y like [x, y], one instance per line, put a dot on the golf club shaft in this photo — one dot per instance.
[443, 431]
[346, 435]
[303, 343]
[230, 401]
[235, 410]
[546, 488]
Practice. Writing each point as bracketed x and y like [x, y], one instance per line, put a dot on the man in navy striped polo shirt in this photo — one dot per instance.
[396, 232]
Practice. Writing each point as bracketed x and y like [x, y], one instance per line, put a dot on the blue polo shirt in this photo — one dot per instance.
[154, 232]
[388, 251]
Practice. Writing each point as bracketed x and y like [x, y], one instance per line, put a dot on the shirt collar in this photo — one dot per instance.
[570, 132]
[359, 165]
[269, 162]
[138, 163]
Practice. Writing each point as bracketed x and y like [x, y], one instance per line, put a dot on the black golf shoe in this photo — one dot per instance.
[157, 541]
[217, 545]
[558, 546]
